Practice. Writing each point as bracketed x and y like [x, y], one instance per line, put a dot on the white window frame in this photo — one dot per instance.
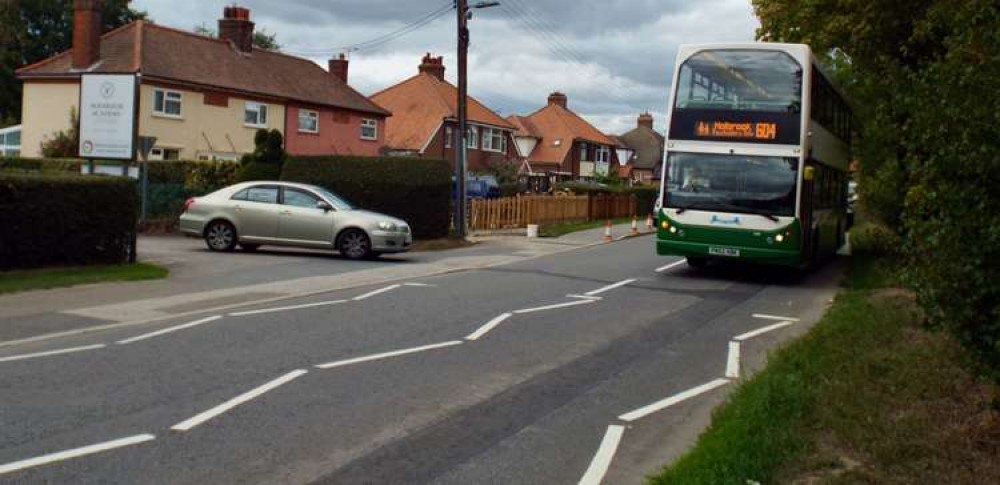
[369, 123]
[472, 138]
[260, 113]
[493, 140]
[307, 112]
[603, 154]
[449, 136]
[584, 152]
[167, 94]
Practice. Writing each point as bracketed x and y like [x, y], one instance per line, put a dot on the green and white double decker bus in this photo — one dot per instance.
[756, 160]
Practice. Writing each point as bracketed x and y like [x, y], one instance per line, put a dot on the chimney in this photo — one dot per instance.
[559, 99]
[433, 66]
[338, 67]
[86, 32]
[646, 120]
[236, 27]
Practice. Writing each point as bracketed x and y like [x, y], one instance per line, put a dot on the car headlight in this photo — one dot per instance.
[387, 226]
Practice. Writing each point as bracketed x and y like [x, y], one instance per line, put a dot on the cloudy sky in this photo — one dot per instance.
[613, 58]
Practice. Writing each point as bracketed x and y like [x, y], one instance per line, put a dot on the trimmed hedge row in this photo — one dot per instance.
[415, 190]
[65, 220]
[645, 194]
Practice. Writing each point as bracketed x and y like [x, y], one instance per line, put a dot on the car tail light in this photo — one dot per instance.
[188, 203]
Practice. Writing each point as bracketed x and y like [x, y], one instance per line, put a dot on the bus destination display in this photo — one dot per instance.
[742, 130]
[744, 127]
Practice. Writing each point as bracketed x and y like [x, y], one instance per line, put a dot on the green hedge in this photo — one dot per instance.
[415, 190]
[645, 194]
[50, 220]
[32, 165]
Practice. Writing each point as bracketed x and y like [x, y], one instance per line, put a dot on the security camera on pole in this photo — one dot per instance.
[464, 15]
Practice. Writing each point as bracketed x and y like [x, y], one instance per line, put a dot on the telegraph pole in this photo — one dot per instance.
[463, 123]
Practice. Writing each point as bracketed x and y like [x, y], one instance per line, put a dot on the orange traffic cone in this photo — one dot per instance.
[607, 231]
[635, 227]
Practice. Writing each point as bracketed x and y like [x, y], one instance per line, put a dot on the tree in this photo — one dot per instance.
[262, 39]
[924, 77]
[267, 159]
[66, 143]
[33, 30]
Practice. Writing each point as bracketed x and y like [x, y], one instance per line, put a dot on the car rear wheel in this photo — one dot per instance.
[220, 236]
[355, 244]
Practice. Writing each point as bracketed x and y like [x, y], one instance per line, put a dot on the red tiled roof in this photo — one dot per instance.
[420, 104]
[558, 128]
[162, 53]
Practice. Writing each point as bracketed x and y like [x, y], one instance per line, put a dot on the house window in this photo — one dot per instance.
[308, 121]
[255, 115]
[164, 154]
[167, 103]
[369, 129]
[583, 152]
[494, 140]
[603, 154]
[449, 136]
[472, 138]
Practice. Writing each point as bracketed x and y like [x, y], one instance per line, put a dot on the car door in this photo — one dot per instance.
[255, 212]
[302, 222]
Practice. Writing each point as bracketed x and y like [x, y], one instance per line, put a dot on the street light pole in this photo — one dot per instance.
[461, 146]
[461, 227]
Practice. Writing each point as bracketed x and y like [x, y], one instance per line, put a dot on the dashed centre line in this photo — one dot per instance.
[386, 355]
[376, 292]
[554, 307]
[605, 453]
[488, 326]
[670, 266]
[287, 308]
[51, 352]
[236, 401]
[74, 453]
[610, 287]
[169, 330]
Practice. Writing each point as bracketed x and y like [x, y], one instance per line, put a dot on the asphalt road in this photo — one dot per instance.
[541, 371]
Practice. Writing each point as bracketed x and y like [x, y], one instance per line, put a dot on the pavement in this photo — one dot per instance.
[514, 361]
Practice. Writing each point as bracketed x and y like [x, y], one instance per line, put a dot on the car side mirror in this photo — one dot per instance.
[324, 205]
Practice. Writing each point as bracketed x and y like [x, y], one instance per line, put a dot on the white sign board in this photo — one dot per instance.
[107, 116]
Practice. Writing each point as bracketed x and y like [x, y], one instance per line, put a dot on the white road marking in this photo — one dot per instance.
[553, 307]
[376, 292]
[605, 453]
[585, 297]
[386, 355]
[419, 285]
[51, 352]
[488, 326]
[733, 364]
[774, 317]
[168, 330]
[236, 401]
[760, 331]
[670, 401]
[286, 308]
[609, 287]
[670, 266]
[74, 453]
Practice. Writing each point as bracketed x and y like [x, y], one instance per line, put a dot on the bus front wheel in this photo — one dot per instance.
[697, 262]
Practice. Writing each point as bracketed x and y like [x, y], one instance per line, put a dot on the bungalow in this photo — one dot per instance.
[203, 98]
[425, 119]
[558, 142]
[647, 145]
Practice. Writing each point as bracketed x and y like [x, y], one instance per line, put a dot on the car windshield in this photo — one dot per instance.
[732, 183]
[337, 201]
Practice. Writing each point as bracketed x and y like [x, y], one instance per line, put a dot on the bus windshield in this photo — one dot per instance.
[740, 80]
[732, 183]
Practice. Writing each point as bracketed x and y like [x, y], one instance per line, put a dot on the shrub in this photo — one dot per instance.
[34, 165]
[415, 190]
[65, 220]
[267, 159]
[874, 239]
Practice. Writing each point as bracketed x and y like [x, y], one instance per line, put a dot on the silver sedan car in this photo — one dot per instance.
[253, 214]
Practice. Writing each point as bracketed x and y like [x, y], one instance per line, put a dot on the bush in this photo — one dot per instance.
[65, 220]
[34, 165]
[645, 194]
[172, 182]
[874, 239]
[415, 190]
[267, 159]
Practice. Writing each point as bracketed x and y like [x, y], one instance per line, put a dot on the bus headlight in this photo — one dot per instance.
[779, 238]
[673, 230]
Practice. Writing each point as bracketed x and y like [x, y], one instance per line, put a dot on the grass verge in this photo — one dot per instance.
[42, 279]
[556, 230]
[868, 396]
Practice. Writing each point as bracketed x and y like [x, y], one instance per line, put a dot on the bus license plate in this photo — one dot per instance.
[731, 252]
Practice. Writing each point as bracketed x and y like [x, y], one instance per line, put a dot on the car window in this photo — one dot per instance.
[264, 195]
[241, 195]
[298, 198]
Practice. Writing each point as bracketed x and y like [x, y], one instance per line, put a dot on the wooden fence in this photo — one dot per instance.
[518, 212]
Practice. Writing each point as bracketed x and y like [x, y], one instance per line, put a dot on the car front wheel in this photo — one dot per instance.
[355, 244]
[220, 236]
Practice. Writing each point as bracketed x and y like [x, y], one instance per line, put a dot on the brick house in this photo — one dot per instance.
[563, 145]
[204, 98]
[425, 120]
[647, 146]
